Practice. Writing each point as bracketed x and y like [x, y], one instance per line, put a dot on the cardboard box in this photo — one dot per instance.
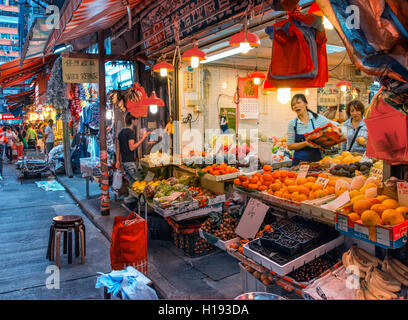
[283, 203]
[388, 237]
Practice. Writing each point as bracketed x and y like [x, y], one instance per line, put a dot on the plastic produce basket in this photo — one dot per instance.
[192, 244]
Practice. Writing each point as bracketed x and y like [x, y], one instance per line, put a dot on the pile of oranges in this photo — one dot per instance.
[219, 169]
[285, 184]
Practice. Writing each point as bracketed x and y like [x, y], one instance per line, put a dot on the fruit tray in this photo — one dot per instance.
[313, 208]
[223, 245]
[280, 202]
[282, 244]
[283, 265]
[325, 137]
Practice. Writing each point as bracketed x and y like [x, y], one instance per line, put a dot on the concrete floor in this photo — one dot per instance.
[26, 213]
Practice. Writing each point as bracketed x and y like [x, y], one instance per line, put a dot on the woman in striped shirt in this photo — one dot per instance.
[305, 122]
[355, 128]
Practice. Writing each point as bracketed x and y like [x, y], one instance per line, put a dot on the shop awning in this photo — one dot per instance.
[80, 18]
[18, 96]
[36, 40]
[12, 73]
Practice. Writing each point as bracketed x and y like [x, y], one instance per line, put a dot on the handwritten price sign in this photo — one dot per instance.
[376, 173]
[322, 181]
[403, 193]
[303, 170]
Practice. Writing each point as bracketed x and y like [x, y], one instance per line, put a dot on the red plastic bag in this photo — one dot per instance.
[129, 243]
[387, 133]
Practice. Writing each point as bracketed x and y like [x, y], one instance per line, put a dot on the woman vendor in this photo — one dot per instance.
[305, 122]
[355, 128]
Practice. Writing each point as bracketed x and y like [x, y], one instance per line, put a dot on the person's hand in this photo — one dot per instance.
[146, 134]
[308, 144]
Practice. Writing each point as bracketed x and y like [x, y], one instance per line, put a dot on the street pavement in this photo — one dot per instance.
[26, 213]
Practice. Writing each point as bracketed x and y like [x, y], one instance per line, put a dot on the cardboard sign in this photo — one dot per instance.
[149, 176]
[322, 181]
[339, 202]
[376, 173]
[304, 168]
[251, 219]
[79, 70]
[403, 193]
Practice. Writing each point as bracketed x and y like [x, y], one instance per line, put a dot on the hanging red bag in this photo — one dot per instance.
[129, 243]
[387, 133]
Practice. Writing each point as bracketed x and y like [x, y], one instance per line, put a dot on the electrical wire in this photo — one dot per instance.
[339, 62]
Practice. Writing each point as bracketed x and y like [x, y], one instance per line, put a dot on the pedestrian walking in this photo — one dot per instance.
[49, 137]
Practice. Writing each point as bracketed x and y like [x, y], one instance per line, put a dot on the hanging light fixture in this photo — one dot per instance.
[257, 76]
[344, 84]
[245, 39]
[283, 95]
[163, 67]
[154, 101]
[195, 55]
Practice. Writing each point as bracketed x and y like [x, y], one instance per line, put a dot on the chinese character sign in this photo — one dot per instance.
[78, 70]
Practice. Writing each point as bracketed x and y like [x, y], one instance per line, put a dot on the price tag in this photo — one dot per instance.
[339, 202]
[361, 229]
[322, 181]
[366, 159]
[342, 223]
[304, 168]
[383, 236]
[149, 176]
[376, 173]
[216, 200]
[252, 219]
[402, 193]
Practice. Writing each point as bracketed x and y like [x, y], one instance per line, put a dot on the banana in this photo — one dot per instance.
[367, 293]
[400, 270]
[393, 286]
[400, 264]
[368, 256]
[388, 268]
[352, 262]
[376, 288]
[345, 259]
[362, 264]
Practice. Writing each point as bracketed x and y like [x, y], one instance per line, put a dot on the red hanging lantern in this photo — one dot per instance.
[257, 76]
[245, 40]
[154, 101]
[163, 67]
[343, 85]
[195, 55]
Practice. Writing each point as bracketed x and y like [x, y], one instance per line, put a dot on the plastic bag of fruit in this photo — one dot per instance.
[325, 137]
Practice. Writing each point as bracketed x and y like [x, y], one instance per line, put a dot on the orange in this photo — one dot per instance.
[331, 189]
[390, 203]
[278, 194]
[245, 184]
[284, 173]
[311, 196]
[304, 190]
[379, 208]
[403, 210]
[291, 174]
[311, 179]
[317, 187]
[267, 177]
[253, 179]
[326, 192]
[361, 205]
[295, 196]
[253, 186]
[284, 189]
[267, 168]
[292, 189]
[276, 174]
[319, 194]
[286, 195]
[270, 191]
[302, 197]
[290, 182]
[309, 185]
[262, 188]
[276, 186]
[332, 183]
[267, 183]
[258, 175]
[243, 178]
[323, 175]
[354, 216]
[382, 198]
[237, 182]
[301, 181]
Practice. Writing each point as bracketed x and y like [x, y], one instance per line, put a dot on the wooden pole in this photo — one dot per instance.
[66, 142]
[105, 210]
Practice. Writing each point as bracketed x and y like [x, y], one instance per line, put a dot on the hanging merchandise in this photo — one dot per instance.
[74, 102]
[376, 42]
[387, 132]
[299, 57]
[117, 99]
[56, 88]
[137, 101]
[93, 115]
[284, 5]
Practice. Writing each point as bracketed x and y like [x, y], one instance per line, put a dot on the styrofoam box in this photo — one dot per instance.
[220, 244]
[252, 284]
[196, 213]
[283, 270]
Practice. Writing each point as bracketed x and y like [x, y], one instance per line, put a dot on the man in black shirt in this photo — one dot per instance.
[127, 147]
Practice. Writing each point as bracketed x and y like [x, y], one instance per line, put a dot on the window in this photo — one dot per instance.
[4, 36]
[8, 13]
[6, 59]
[9, 25]
[15, 36]
[5, 48]
[16, 48]
[13, 3]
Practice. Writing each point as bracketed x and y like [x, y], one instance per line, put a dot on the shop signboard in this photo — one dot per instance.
[79, 70]
[8, 117]
[157, 23]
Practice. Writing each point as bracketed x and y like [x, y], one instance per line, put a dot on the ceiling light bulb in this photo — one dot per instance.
[327, 24]
[257, 81]
[343, 88]
[195, 62]
[109, 115]
[224, 85]
[163, 72]
[306, 92]
[245, 47]
[284, 95]
[153, 108]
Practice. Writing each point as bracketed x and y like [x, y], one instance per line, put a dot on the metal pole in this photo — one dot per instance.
[66, 142]
[105, 210]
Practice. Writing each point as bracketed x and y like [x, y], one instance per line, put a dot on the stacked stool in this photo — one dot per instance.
[66, 225]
